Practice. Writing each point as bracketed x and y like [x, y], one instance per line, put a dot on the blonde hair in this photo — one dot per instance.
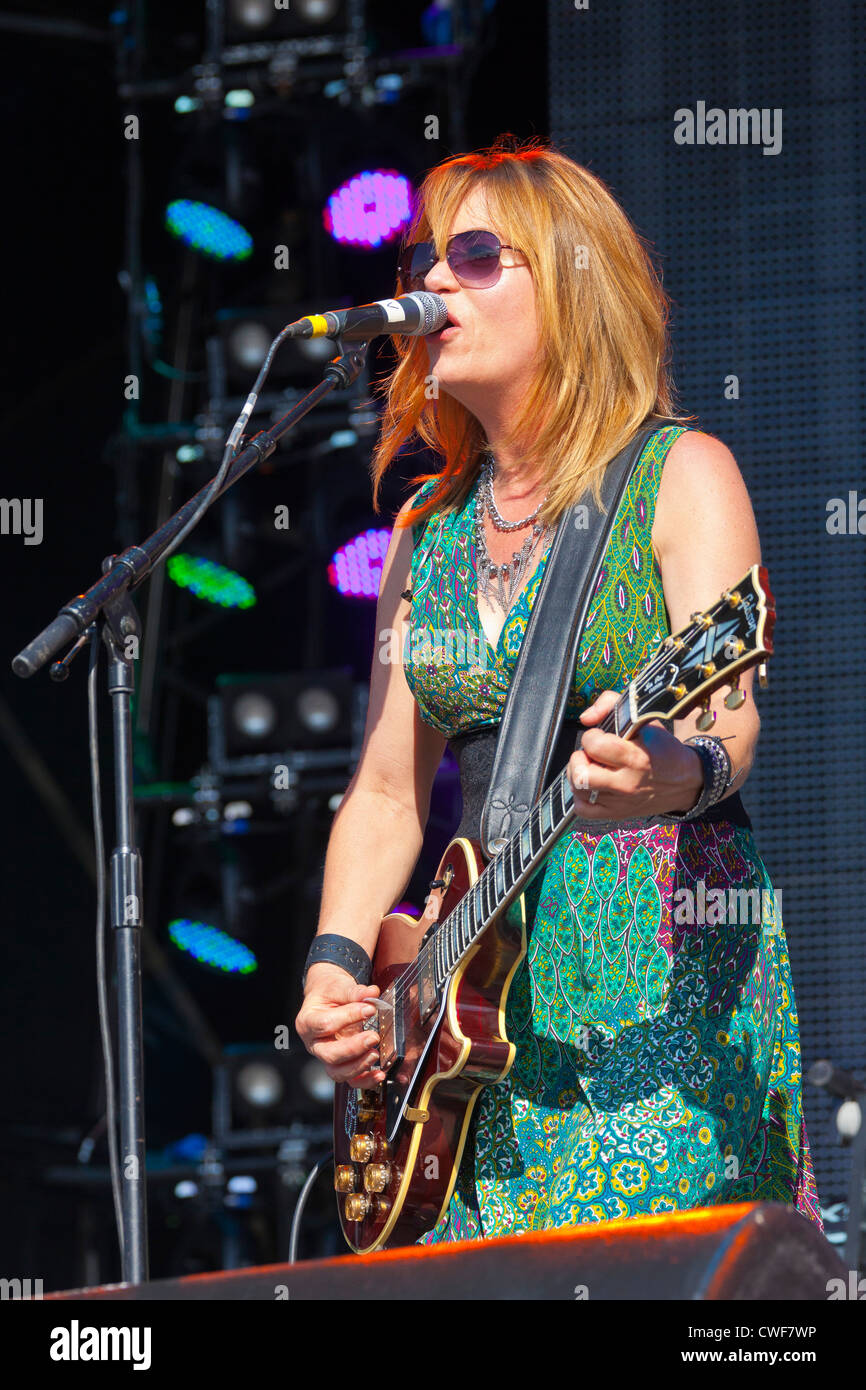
[603, 326]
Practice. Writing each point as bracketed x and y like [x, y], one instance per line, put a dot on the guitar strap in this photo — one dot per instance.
[544, 671]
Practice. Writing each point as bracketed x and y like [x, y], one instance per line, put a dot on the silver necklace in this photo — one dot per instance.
[493, 511]
[498, 583]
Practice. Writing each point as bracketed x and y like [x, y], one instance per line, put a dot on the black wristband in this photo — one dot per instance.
[339, 950]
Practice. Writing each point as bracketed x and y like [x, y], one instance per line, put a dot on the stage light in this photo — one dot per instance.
[189, 453]
[239, 98]
[356, 568]
[248, 344]
[276, 713]
[316, 1082]
[318, 710]
[208, 230]
[254, 715]
[183, 105]
[210, 582]
[210, 946]
[260, 1084]
[317, 11]
[369, 209]
[251, 14]
[242, 1185]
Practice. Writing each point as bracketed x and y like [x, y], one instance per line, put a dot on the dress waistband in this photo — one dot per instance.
[475, 752]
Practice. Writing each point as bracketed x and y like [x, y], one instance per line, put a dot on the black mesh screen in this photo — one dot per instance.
[764, 256]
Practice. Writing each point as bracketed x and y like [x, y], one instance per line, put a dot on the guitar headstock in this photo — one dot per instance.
[712, 650]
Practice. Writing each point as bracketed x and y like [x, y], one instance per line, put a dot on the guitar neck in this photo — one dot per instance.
[505, 877]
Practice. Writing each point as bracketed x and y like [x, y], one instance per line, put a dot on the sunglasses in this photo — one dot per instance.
[474, 258]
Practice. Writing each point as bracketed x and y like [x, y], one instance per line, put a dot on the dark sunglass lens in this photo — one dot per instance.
[475, 257]
[415, 263]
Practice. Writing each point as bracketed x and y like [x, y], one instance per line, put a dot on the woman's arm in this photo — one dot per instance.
[377, 833]
[705, 538]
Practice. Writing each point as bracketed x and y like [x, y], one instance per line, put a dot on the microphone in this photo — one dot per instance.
[412, 314]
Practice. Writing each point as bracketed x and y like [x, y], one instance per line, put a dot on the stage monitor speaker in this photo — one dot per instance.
[754, 1251]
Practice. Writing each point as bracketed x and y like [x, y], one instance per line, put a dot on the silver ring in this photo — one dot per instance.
[593, 797]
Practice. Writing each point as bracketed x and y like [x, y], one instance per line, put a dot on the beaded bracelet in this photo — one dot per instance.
[339, 950]
[717, 775]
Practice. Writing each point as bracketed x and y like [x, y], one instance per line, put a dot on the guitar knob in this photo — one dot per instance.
[377, 1176]
[344, 1178]
[381, 1206]
[362, 1147]
[356, 1206]
[735, 697]
[707, 717]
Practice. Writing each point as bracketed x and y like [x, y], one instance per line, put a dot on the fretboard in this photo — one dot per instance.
[505, 877]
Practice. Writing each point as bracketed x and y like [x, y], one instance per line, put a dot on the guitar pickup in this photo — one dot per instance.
[388, 1023]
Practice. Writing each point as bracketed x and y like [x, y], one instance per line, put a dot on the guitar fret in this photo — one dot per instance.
[486, 904]
[477, 907]
[513, 864]
[499, 877]
[535, 839]
[465, 932]
[546, 818]
[525, 845]
[559, 798]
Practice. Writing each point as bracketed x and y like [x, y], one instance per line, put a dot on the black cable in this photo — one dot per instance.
[232, 444]
[101, 899]
[295, 1233]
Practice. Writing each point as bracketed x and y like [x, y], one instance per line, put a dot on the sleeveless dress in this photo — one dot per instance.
[657, 1061]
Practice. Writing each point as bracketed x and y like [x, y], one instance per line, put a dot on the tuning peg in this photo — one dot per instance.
[735, 697]
[763, 680]
[733, 597]
[707, 717]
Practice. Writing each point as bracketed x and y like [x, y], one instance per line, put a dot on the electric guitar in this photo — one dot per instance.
[441, 1011]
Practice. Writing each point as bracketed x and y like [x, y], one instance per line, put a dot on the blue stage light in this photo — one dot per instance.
[210, 946]
[208, 230]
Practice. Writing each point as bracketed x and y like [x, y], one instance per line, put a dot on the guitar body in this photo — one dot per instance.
[413, 1127]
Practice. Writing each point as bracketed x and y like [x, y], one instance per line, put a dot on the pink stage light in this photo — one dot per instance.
[369, 209]
[356, 568]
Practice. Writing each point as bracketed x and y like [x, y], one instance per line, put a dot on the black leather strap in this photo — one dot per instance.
[539, 689]
[339, 950]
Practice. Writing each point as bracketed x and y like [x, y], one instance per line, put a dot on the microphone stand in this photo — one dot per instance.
[106, 609]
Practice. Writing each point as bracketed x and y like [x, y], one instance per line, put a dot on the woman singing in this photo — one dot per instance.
[672, 1081]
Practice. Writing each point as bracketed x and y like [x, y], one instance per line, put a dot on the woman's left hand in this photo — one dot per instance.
[651, 774]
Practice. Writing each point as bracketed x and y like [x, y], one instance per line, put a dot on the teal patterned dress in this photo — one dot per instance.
[657, 1062]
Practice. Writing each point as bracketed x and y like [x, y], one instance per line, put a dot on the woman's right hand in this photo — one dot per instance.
[329, 1026]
